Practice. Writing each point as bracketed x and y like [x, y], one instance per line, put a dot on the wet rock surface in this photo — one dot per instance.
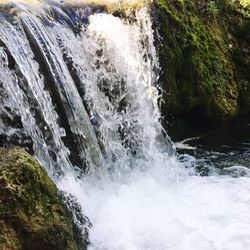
[31, 214]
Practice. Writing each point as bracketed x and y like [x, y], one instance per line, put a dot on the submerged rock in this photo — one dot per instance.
[31, 214]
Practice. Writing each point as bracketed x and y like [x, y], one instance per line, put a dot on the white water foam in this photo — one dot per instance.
[146, 211]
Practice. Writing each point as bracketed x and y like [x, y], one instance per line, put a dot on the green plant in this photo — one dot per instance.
[212, 7]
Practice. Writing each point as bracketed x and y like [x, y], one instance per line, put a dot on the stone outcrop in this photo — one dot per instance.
[32, 216]
[205, 61]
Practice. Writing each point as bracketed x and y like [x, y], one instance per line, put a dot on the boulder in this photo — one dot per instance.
[205, 61]
[32, 216]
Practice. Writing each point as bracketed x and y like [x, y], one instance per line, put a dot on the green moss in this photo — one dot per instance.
[200, 74]
[31, 214]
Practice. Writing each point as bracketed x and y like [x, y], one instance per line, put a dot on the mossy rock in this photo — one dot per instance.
[205, 60]
[31, 214]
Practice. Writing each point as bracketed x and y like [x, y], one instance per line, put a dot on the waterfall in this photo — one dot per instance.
[79, 88]
[62, 81]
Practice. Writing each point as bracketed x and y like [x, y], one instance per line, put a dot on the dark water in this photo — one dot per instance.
[222, 152]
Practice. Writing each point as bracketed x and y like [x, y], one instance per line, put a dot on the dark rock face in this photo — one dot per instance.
[31, 214]
[205, 61]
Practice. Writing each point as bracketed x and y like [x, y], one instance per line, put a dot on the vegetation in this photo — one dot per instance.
[31, 214]
[205, 59]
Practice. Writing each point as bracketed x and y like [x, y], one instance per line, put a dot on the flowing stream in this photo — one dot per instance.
[79, 89]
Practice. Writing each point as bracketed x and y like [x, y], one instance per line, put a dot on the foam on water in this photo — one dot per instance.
[146, 211]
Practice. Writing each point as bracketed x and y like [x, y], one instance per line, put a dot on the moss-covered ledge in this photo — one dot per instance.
[109, 5]
[31, 214]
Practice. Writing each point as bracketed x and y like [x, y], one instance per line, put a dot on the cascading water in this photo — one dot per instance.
[79, 88]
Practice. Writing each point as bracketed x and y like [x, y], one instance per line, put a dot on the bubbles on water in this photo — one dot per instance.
[146, 210]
